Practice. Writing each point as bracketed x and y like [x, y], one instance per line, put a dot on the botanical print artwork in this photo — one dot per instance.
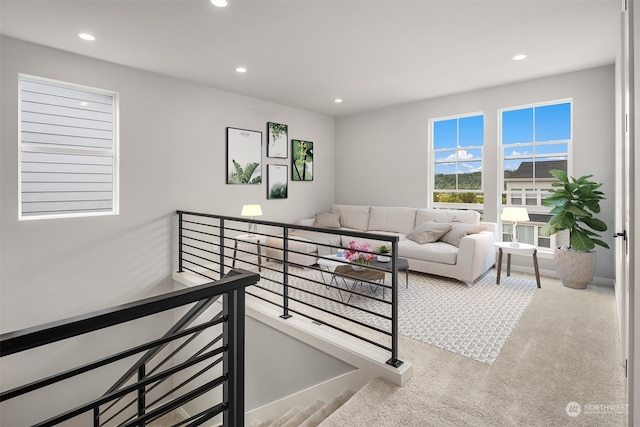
[244, 156]
[277, 181]
[302, 160]
[278, 138]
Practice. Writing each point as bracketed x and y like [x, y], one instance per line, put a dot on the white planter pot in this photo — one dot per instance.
[575, 269]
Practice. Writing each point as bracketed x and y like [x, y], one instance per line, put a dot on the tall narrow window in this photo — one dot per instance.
[456, 149]
[68, 150]
[535, 140]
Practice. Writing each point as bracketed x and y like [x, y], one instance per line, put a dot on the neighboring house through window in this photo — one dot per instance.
[534, 140]
[456, 158]
[68, 150]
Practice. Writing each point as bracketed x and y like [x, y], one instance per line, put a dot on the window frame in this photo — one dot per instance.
[526, 192]
[431, 158]
[112, 153]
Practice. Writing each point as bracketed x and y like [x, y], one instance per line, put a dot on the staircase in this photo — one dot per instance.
[311, 416]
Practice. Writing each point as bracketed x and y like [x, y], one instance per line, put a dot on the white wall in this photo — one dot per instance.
[381, 155]
[172, 147]
[172, 156]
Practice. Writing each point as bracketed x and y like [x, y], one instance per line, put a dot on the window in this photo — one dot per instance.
[456, 151]
[68, 150]
[534, 140]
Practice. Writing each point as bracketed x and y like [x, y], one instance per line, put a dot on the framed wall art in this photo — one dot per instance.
[244, 156]
[277, 180]
[277, 140]
[302, 160]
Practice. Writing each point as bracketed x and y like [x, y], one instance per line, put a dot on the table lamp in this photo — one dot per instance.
[514, 215]
[251, 211]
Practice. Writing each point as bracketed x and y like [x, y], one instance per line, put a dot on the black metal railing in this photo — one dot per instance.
[311, 285]
[144, 393]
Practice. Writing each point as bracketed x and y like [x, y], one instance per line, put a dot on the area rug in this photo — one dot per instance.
[474, 322]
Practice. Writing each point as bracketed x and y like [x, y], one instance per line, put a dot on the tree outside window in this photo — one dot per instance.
[457, 145]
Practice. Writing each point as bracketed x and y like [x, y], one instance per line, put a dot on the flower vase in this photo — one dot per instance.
[357, 267]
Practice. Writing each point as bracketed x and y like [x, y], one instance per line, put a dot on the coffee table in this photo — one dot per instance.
[339, 267]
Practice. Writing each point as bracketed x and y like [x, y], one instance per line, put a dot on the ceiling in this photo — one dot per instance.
[306, 53]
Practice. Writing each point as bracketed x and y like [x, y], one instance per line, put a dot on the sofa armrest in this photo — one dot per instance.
[476, 255]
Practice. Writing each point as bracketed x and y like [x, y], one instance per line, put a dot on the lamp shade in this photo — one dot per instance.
[513, 214]
[251, 210]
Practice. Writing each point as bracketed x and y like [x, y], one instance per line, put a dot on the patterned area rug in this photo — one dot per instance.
[474, 322]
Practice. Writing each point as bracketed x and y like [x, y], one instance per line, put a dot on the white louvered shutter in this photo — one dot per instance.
[68, 150]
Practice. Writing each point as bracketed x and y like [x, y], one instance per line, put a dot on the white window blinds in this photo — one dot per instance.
[68, 150]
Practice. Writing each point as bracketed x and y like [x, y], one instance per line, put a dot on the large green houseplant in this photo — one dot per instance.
[574, 203]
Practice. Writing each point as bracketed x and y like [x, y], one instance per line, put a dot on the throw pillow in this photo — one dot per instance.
[428, 232]
[327, 220]
[458, 231]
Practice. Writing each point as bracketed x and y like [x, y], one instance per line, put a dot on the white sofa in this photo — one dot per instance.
[463, 252]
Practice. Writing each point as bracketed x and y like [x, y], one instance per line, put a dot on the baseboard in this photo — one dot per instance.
[597, 280]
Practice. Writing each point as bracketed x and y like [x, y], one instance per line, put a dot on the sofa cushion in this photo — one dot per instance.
[447, 215]
[399, 220]
[438, 252]
[327, 220]
[458, 231]
[429, 232]
[356, 217]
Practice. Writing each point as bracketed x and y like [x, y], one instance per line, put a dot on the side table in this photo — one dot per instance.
[523, 249]
[250, 238]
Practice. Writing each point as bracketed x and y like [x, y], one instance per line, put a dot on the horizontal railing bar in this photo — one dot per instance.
[200, 240]
[17, 341]
[198, 248]
[357, 322]
[360, 234]
[158, 383]
[341, 302]
[199, 232]
[200, 223]
[198, 256]
[187, 381]
[324, 322]
[176, 403]
[369, 282]
[126, 390]
[18, 391]
[339, 289]
[199, 418]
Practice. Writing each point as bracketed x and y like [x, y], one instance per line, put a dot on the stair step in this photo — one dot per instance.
[305, 413]
[328, 409]
[280, 422]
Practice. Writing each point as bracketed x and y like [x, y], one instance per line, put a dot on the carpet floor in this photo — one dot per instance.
[560, 367]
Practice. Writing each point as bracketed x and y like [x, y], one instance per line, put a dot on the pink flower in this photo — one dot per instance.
[353, 254]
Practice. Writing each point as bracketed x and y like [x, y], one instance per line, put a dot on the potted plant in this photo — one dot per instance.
[574, 203]
[384, 253]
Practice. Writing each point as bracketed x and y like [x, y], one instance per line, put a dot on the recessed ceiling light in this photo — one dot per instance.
[519, 57]
[241, 70]
[86, 36]
[337, 100]
[220, 3]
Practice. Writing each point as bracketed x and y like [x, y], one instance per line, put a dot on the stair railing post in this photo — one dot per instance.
[141, 393]
[221, 247]
[179, 242]
[233, 390]
[394, 361]
[285, 274]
